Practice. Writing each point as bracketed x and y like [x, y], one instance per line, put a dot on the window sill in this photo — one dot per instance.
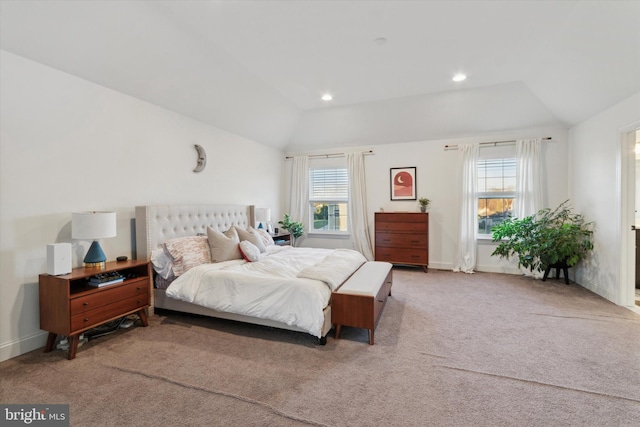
[317, 235]
[485, 239]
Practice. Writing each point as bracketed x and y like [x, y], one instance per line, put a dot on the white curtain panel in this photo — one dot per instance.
[357, 208]
[528, 187]
[465, 260]
[300, 190]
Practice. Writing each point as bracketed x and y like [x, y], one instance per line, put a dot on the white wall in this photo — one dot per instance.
[70, 145]
[437, 179]
[595, 187]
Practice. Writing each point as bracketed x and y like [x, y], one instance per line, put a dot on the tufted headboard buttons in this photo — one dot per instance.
[155, 224]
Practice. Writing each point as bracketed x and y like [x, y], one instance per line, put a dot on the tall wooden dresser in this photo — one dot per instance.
[402, 238]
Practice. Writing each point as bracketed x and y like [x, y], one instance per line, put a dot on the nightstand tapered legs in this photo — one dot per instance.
[51, 340]
[75, 339]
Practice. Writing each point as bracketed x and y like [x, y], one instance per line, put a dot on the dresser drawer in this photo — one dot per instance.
[382, 217]
[402, 255]
[402, 227]
[113, 310]
[108, 296]
[403, 240]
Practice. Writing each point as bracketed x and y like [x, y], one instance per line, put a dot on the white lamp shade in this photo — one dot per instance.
[263, 214]
[93, 225]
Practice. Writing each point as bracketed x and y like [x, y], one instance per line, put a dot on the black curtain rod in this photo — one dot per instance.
[494, 143]
[326, 156]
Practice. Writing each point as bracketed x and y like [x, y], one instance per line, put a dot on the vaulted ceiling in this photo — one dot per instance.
[259, 68]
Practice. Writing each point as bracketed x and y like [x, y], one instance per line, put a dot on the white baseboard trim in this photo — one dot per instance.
[23, 345]
[479, 268]
[604, 293]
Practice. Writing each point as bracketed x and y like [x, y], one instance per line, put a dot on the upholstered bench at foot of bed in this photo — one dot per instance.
[360, 299]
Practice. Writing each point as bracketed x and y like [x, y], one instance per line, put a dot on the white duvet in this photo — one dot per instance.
[288, 285]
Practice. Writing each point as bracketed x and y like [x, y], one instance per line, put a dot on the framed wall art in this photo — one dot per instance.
[403, 183]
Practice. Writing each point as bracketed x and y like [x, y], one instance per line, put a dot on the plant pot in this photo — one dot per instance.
[423, 208]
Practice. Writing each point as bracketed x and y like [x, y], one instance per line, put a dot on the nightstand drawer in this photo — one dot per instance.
[108, 296]
[110, 311]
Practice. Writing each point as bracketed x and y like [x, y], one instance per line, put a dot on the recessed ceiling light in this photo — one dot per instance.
[459, 77]
[327, 97]
[380, 41]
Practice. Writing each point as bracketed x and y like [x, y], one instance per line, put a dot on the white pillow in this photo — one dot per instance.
[266, 237]
[250, 251]
[251, 235]
[161, 262]
[223, 246]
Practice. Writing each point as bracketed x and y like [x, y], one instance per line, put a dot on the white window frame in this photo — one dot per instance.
[329, 199]
[494, 194]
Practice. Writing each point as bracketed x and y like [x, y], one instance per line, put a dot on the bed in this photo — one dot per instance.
[288, 288]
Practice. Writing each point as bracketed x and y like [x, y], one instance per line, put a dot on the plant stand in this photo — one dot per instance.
[558, 266]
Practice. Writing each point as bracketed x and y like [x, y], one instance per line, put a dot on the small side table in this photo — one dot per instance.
[282, 239]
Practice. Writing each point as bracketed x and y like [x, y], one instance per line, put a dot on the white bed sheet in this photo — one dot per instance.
[279, 287]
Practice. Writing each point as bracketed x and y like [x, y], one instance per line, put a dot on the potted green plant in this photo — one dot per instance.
[556, 238]
[424, 203]
[295, 228]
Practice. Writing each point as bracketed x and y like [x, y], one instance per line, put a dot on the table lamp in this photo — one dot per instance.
[263, 215]
[93, 226]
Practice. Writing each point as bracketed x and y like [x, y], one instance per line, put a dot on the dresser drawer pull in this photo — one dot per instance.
[138, 288]
[86, 319]
[85, 304]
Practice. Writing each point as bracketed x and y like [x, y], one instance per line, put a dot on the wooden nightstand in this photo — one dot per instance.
[70, 306]
[281, 238]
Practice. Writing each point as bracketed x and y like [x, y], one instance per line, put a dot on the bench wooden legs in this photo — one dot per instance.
[371, 334]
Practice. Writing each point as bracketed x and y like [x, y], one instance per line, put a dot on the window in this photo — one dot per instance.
[328, 200]
[496, 192]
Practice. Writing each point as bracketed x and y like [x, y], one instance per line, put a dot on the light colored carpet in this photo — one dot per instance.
[451, 350]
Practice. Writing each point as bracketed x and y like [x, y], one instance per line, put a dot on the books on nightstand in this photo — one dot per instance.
[105, 279]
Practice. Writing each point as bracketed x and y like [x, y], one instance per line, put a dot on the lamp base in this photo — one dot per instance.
[101, 264]
[95, 257]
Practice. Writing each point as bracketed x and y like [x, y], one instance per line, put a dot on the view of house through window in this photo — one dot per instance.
[328, 198]
[496, 192]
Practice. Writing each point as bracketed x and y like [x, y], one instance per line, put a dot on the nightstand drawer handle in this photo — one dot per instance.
[85, 303]
[86, 319]
[138, 288]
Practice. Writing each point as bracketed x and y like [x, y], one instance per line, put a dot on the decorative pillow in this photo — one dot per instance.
[250, 251]
[187, 252]
[251, 235]
[223, 246]
[162, 263]
[266, 237]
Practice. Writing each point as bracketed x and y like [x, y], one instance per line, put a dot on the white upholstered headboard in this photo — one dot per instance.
[155, 224]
